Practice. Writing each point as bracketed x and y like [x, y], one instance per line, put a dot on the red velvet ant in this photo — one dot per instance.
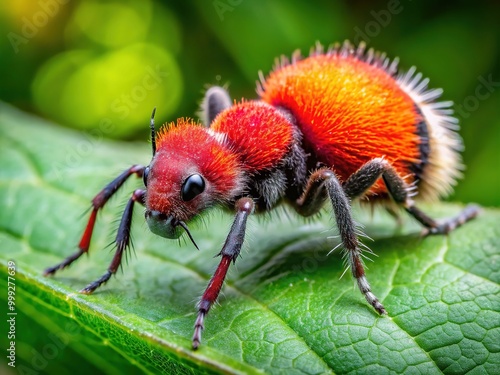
[338, 125]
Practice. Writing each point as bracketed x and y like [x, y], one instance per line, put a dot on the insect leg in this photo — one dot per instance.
[216, 100]
[369, 173]
[122, 241]
[229, 253]
[324, 184]
[97, 203]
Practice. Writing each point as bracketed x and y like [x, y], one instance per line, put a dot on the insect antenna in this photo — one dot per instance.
[153, 133]
[183, 224]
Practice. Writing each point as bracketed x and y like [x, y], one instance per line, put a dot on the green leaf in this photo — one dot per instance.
[284, 309]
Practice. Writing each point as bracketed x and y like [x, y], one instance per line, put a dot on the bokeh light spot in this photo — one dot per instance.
[121, 86]
[113, 24]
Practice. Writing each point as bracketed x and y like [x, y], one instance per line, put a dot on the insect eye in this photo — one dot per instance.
[192, 186]
[145, 175]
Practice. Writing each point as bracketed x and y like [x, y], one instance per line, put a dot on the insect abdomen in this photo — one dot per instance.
[349, 111]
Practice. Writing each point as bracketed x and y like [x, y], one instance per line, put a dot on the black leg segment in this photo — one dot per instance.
[369, 173]
[122, 241]
[323, 183]
[229, 253]
[97, 203]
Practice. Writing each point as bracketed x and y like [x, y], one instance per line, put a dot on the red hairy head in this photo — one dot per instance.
[185, 149]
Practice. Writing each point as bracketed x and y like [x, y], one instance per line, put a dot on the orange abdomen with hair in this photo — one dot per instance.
[349, 112]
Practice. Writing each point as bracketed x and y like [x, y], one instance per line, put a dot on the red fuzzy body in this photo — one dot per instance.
[337, 126]
[261, 141]
[337, 109]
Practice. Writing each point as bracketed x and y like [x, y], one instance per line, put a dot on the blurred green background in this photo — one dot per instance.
[101, 66]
